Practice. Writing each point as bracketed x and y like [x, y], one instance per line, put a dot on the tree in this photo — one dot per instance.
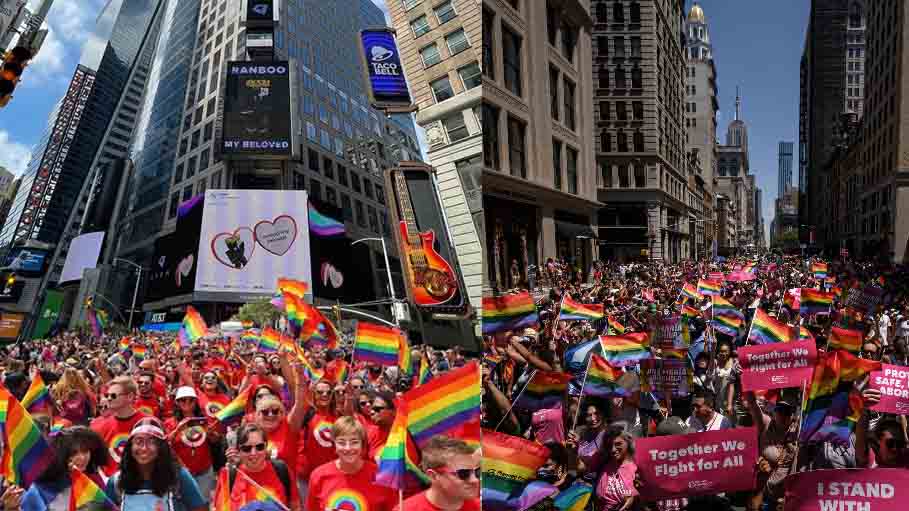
[261, 312]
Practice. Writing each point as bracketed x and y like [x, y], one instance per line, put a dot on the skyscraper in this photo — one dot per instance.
[784, 163]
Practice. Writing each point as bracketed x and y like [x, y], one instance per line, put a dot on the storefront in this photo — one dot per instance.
[511, 241]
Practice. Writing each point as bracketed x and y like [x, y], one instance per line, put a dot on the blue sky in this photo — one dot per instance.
[757, 45]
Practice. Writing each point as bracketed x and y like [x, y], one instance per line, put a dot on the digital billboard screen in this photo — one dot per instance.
[83, 253]
[259, 11]
[385, 79]
[26, 260]
[173, 269]
[257, 111]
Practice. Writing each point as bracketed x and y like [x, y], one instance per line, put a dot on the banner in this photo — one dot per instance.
[697, 464]
[865, 300]
[670, 328]
[665, 375]
[873, 489]
[777, 365]
[50, 311]
[893, 382]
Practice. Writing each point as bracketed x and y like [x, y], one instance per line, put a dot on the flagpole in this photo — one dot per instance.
[515, 400]
[751, 326]
[798, 434]
[577, 410]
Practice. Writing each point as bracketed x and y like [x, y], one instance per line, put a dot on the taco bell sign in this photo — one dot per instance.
[383, 71]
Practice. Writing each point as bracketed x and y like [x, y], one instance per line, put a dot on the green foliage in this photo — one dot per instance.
[260, 312]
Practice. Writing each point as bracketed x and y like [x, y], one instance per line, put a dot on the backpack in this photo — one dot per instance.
[280, 469]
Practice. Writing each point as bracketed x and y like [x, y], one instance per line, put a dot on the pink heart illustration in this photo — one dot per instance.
[276, 236]
[235, 249]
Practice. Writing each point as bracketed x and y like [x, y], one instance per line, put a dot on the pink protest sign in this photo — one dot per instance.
[778, 365]
[893, 382]
[877, 489]
[697, 464]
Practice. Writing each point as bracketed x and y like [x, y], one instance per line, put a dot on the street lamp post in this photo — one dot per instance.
[132, 308]
[391, 283]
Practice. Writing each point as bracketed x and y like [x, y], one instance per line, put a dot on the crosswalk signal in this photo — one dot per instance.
[14, 62]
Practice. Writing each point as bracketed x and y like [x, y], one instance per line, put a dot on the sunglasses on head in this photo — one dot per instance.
[249, 448]
[271, 412]
[464, 473]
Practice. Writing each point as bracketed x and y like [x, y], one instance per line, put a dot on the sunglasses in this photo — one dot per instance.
[249, 448]
[323, 392]
[112, 396]
[378, 409]
[209, 378]
[271, 412]
[464, 473]
[364, 404]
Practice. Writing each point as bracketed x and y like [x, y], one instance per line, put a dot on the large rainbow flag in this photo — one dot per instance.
[545, 389]
[766, 330]
[26, 453]
[399, 460]
[37, 397]
[602, 379]
[377, 344]
[625, 349]
[819, 270]
[576, 311]
[691, 291]
[445, 404]
[509, 463]
[833, 406]
[194, 327]
[709, 287]
[726, 317]
[843, 339]
[509, 312]
[813, 301]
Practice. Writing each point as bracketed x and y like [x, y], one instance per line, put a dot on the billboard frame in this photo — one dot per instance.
[390, 107]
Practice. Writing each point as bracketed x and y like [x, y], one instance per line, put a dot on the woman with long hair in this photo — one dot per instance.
[74, 397]
[615, 489]
[76, 447]
[589, 439]
[189, 433]
[151, 477]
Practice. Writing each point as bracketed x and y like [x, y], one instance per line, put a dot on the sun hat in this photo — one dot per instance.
[186, 391]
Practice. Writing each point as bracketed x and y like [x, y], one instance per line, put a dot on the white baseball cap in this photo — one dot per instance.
[186, 391]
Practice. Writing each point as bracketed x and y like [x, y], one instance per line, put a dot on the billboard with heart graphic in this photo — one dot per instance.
[250, 238]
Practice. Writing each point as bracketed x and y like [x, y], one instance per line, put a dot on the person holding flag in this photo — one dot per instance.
[76, 447]
[257, 477]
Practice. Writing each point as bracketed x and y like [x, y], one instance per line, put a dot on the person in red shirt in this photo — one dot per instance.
[453, 468]
[116, 426]
[317, 446]
[257, 470]
[147, 401]
[189, 435]
[383, 415]
[347, 482]
[212, 399]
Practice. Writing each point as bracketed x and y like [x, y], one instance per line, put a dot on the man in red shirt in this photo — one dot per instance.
[382, 415]
[453, 468]
[115, 427]
[147, 401]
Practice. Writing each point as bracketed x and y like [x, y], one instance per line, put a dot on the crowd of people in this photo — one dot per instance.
[591, 440]
[146, 421]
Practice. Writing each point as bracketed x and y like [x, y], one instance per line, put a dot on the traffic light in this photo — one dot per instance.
[14, 62]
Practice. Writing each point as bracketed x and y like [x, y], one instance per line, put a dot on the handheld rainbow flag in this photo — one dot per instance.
[269, 340]
[234, 410]
[405, 356]
[194, 325]
[250, 336]
[814, 301]
[709, 287]
[311, 372]
[602, 379]
[690, 291]
[576, 311]
[139, 351]
[615, 328]
[843, 339]
[806, 335]
[377, 344]
[574, 498]
[544, 390]
[84, 492]
[324, 225]
[297, 288]
[26, 454]
[509, 462]
[336, 371]
[222, 495]
[819, 270]
[766, 330]
[445, 404]
[726, 317]
[690, 312]
[626, 349]
[399, 461]
[124, 343]
[509, 312]
[424, 375]
[37, 397]
[317, 330]
[293, 309]
[833, 406]
[249, 491]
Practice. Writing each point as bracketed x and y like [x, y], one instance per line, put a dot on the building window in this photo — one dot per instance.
[511, 48]
[556, 164]
[569, 41]
[618, 13]
[620, 82]
[551, 23]
[488, 61]
[620, 112]
[195, 140]
[635, 12]
[606, 174]
[457, 41]
[568, 99]
[619, 43]
[636, 47]
[444, 12]
[441, 89]
[329, 168]
[361, 217]
[604, 110]
[419, 26]
[209, 128]
[470, 75]
[636, 80]
[638, 142]
[455, 127]
[355, 183]
[187, 193]
[174, 203]
[347, 210]
[516, 150]
[554, 93]
[331, 196]
[601, 12]
[622, 139]
[606, 142]
[178, 174]
[491, 157]
[571, 169]
[637, 110]
[623, 175]
[216, 180]
[602, 46]
[603, 78]
[191, 167]
[410, 4]
[430, 55]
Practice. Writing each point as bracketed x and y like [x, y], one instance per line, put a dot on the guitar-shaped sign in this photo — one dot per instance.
[434, 281]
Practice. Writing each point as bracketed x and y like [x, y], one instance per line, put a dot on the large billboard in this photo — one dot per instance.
[83, 253]
[10, 324]
[258, 111]
[382, 69]
[173, 269]
[260, 12]
[249, 239]
[26, 260]
[50, 311]
[340, 271]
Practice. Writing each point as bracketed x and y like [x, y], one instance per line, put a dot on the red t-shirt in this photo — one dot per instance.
[331, 489]
[115, 432]
[377, 436]
[283, 443]
[419, 502]
[318, 447]
[244, 492]
[148, 405]
[191, 446]
[213, 403]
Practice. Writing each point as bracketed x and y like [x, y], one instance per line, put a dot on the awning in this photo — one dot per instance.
[573, 230]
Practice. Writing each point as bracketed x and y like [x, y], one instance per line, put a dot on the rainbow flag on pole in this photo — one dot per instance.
[445, 404]
[269, 340]
[833, 406]
[576, 311]
[843, 339]
[574, 498]
[690, 312]
[194, 326]
[297, 288]
[377, 344]
[399, 461]
[726, 317]
[626, 349]
[615, 328]
[26, 453]
[819, 270]
[766, 330]
[544, 390]
[709, 287]
[85, 492]
[509, 463]
[509, 312]
[813, 301]
[37, 397]
[602, 379]
[234, 410]
[690, 291]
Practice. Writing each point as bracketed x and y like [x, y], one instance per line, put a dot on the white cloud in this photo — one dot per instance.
[49, 62]
[382, 5]
[13, 155]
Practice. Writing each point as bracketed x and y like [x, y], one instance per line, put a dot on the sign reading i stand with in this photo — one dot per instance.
[383, 71]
